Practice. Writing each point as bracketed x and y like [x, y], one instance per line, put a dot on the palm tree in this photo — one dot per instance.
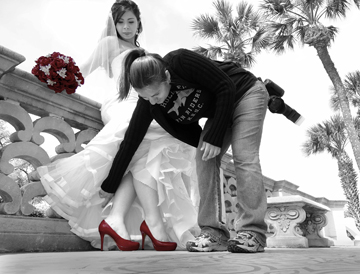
[330, 136]
[300, 21]
[352, 88]
[238, 38]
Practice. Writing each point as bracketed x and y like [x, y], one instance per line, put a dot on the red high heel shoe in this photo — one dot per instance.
[123, 244]
[158, 245]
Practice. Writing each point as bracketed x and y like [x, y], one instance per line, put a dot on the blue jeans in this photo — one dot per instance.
[244, 136]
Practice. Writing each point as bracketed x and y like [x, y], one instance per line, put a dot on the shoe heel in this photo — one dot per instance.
[158, 245]
[143, 240]
[122, 244]
[102, 240]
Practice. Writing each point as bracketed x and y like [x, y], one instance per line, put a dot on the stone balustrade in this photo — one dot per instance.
[296, 222]
[32, 109]
[22, 97]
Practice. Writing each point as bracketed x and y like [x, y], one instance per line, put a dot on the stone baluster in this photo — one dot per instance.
[25, 144]
[296, 221]
[284, 222]
[315, 221]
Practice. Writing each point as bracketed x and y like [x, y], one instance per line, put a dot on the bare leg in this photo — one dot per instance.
[122, 201]
[149, 200]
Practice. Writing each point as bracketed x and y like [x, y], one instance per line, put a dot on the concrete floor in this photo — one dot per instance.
[344, 260]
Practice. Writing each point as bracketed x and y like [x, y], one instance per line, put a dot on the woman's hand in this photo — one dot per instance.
[105, 195]
[210, 151]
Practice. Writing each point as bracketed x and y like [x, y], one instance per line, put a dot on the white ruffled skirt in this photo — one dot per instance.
[161, 162]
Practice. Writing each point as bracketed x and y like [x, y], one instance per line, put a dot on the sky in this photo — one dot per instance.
[72, 27]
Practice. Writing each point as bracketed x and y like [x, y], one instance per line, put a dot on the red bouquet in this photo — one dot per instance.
[59, 72]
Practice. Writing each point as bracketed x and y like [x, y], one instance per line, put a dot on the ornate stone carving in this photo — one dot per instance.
[30, 191]
[83, 137]
[19, 119]
[11, 194]
[27, 151]
[57, 128]
[284, 222]
[285, 218]
[311, 227]
[313, 223]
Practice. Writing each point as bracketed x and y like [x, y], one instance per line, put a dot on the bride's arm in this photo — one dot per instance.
[102, 56]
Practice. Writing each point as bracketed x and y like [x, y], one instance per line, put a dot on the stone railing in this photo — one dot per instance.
[31, 108]
[22, 97]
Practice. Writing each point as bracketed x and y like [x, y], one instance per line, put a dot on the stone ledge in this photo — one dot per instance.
[297, 200]
[9, 60]
[30, 234]
[36, 98]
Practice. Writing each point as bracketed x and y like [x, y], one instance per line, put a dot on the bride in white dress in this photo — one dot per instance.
[162, 165]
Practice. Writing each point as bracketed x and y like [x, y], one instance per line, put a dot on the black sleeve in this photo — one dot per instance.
[138, 126]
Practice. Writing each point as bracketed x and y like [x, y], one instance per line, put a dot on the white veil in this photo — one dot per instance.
[100, 84]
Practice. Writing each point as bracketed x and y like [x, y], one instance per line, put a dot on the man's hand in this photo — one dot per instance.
[210, 151]
[105, 195]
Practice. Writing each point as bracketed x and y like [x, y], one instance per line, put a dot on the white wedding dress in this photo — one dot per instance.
[161, 162]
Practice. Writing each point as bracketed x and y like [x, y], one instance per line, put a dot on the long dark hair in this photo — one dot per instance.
[141, 69]
[119, 8]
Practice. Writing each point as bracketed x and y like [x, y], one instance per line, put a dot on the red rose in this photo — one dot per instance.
[71, 60]
[57, 64]
[57, 87]
[70, 77]
[70, 91]
[71, 68]
[43, 61]
[42, 77]
[35, 70]
[56, 54]
[77, 69]
[71, 88]
[53, 75]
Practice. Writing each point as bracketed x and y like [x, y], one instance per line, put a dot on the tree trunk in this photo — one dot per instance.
[348, 178]
[344, 106]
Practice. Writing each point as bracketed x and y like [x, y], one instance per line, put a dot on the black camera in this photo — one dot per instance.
[277, 105]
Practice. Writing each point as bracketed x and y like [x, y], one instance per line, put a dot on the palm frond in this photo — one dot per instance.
[352, 91]
[205, 26]
[238, 38]
[328, 136]
[357, 3]
[276, 8]
[336, 8]
[352, 82]
[224, 11]
[262, 39]
[244, 11]
[284, 37]
[314, 143]
[331, 32]
[248, 60]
